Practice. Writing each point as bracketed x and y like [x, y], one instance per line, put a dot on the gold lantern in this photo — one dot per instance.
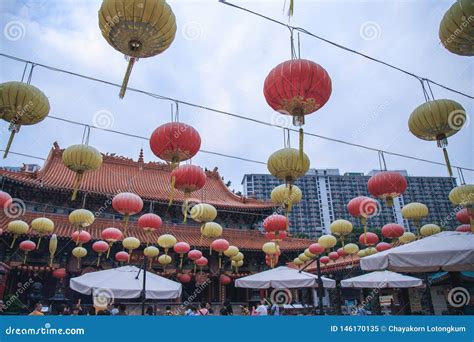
[351, 248]
[309, 254]
[211, 230]
[231, 252]
[130, 243]
[407, 237]
[238, 257]
[298, 261]
[21, 104]
[79, 253]
[415, 211]
[43, 226]
[237, 264]
[438, 120]
[341, 228]
[361, 253]
[303, 257]
[17, 228]
[137, 28]
[53, 246]
[81, 218]
[286, 196]
[166, 241]
[164, 260]
[430, 229]
[370, 251]
[464, 195]
[456, 30]
[151, 252]
[203, 212]
[327, 241]
[81, 158]
[286, 164]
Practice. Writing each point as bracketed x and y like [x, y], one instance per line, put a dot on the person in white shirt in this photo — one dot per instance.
[262, 309]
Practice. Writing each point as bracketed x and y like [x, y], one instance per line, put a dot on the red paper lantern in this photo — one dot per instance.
[316, 248]
[341, 252]
[175, 142]
[368, 239]
[181, 248]
[184, 278]
[202, 261]
[275, 236]
[188, 178]
[59, 273]
[464, 228]
[362, 207]
[127, 203]
[324, 260]
[225, 280]
[100, 247]
[81, 238]
[111, 235]
[386, 185]
[297, 87]
[383, 246]
[122, 256]
[27, 246]
[463, 216]
[150, 222]
[275, 223]
[333, 256]
[220, 245]
[392, 231]
[5, 200]
[194, 254]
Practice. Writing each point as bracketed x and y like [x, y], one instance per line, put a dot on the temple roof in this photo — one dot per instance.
[245, 240]
[151, 181]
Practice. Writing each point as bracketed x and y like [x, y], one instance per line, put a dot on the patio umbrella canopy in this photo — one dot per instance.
[381, 280]
[282, 278]
[122, 282]
[447, 251]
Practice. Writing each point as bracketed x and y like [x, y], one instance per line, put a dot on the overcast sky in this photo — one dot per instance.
[220, 58]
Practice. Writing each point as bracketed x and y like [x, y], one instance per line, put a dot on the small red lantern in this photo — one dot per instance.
[324, 260]
[341, 252]
[127, 204]
[150, 222]
[225, 280]
[387, 185]
[122, 256]
[333, 256]
[194, 255]
[276, 236]
[181, 248]
[5, 200]
[316, 248]
[464, 228]
[362, 207]
[111, 235]
[392, 231]
[220, 245]
[27, 246]
[59, 273]
[383, 246]
[187, 178]
[100, 247]
[184, 278]
[175, 142]
[81, 237]
[463, 216]
[275, 223]
[368, 239]
[201, 262]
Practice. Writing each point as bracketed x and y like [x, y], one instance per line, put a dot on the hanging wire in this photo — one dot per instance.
[299, 47]
[292, 43]
[30, 75]
[382, 163]
[84, 200]
[86, 134]
[461, 176]
[429, 88]
[24, 71]
[286, 138]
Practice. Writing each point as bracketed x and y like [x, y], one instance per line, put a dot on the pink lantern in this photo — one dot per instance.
[194, 254]
[383, 246]
[368, 239]
[181, 248]
[27, 246]
[324, 260]
[316, 248]
[59, 273]
[150, 222]
[275, 223]
[184, 278]
[464, 228]
[220, 245]
[392, 231]
[5, 200]
[201, 262]
[81, 237]
[122, 256]
[127, 204]
[100, 247]
[111, 235]
[463, 216]
[333, 256]
[341, 252]
[225, 280]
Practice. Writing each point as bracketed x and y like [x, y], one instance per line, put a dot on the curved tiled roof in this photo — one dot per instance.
[246, 240]
[151, 181]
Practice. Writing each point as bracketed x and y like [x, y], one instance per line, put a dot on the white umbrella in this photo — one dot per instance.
[282, 278]
[448, 251]
[122, 282]
[382, 279]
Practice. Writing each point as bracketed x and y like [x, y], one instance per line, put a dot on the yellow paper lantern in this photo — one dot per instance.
[269, 248]
[166, 241]
[438, 120]
[303, 257]
[53, 246]
[362, 253]
[286, 164]
[238, 257]
[80, 159]
[456, 29]
[130, 243]
[79, 253]
[309, 254]
[17, 227]
[151, 252]
[43, 226]
[351, 248]
[464, 195]
[237, 264]
[203, 212]
[327, 241]
[231, 252]
[407, 237]
[81, 218]
[430, 229]
[298, 261]
[211, 230]
[415, 211]
[165, 259]
[286, 196]
[137, 28]
[341, 228]
[370, 251]
[21, 104]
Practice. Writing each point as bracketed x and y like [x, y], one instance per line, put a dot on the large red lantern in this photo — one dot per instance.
[111, 235]
[225, 280]
[368, 239]
[127, 204]
[122, 256]
[59, 273]
[100, 247]
[387, 185]
[316, 249]
[383, 246]
[275, 223]
[187, 178]
[150, 222]
[81, 237]
[392, 231]
[463, 216]
[5, 200]
[181, 248]
[175, 142]
[220, 245]
[27, 246]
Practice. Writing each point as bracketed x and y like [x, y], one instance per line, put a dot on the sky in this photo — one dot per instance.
[220, 58]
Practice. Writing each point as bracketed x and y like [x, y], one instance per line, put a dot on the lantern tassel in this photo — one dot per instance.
[364, 222]
[301, 154]
[39, 241]
[77, 184]
[108, 251]
[291, 8]
[51, 260]
[78, 263]
[185, 210]
[24, 258]
[131, 61]
[9, 144]
[173, 180]
[194, 268]
[98, 260]
[181, 262]
[125, 218]
[220, 261]
[13, 242]
[448, 163]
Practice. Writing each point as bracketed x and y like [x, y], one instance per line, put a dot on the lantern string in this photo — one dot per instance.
[299, 47]
[292, 43]
[382, 164]
[461, 176]
[24, 71]
[286, 138]
[30, 75]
